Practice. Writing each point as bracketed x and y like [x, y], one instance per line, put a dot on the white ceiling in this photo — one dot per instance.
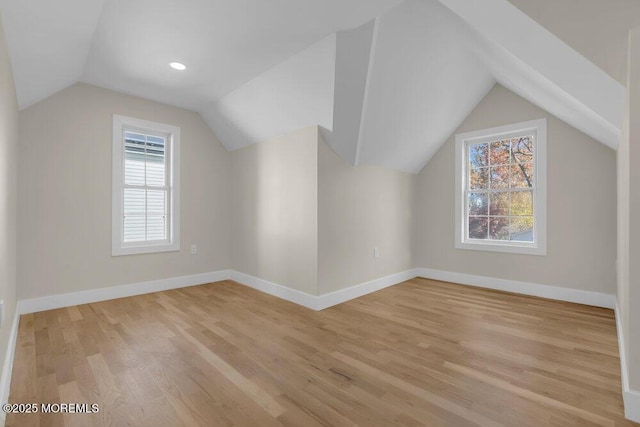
[423, 83]
[48, 43]
[598, 29]
[387, 80]
[398, 87]
[532, 62]
[376, 103]
[125, 45]
[354, 50]
[294, 94]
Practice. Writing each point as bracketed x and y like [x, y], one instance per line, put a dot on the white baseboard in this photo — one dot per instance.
[337, 297]
[314, 302]
[292, 295]
[51, 302]
[631, 397]
[596, 299]
[7, 368]
[320, 302]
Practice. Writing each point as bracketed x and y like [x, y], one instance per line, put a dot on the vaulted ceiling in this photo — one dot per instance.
[597, 29]
[125, 45]
[388, 81]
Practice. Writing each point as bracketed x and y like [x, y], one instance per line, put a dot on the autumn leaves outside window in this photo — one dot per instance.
[500, 189]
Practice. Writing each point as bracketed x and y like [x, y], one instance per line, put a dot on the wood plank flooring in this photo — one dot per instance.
[419, 353]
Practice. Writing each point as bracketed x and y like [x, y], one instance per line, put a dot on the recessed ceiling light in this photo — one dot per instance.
[178, 66]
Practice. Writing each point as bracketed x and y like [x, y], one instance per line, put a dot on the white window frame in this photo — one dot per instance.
[538, 128]
[172, 156]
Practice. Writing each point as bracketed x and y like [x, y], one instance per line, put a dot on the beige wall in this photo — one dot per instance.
[360, 208]
[597, 29]
[633, 336]
[581, 200]
[65, 195]
[298, 215]
[623, 193]
[274, 210]
[8, 170]
[304, 219]
[628, 215]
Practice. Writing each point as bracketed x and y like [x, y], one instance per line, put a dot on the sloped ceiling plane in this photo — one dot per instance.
[388, 81]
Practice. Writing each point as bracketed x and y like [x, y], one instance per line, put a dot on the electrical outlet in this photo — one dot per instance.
[376, 252]
[194, 249]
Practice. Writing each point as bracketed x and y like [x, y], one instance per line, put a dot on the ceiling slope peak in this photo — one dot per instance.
[532, 62]
[48, 42]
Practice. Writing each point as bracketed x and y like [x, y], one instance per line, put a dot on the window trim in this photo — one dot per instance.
[118, 246]
[462, 140]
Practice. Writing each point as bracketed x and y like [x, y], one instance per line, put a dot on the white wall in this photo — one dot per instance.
[629, 227]
[633, 332]
[8, 187]
[274, 210]
[360, 208]
[623, 241]
[581, 199]
[65, 195]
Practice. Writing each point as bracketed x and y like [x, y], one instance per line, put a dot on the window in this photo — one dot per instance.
[501, 189]
[146, 188]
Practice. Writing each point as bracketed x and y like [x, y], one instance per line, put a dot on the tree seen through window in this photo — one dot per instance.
[500, 189]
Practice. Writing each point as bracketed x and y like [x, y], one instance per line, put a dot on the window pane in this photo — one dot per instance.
[145, 160]
[134, 160]
[521, 229]
[522, 149]
[478, 227]
[499, 204]
[499, 229]
[500, 177]
[479, 155]
[522, 203]
[522, 175]
[134, 215]
[479, 179]
[156, 227]
[478, 204]
[155, 140]
[134, 228]
[155, 161]
[156, 202]
[134, 201]
[501, 183]
[156, 211]
[132, 136]
[500, 153]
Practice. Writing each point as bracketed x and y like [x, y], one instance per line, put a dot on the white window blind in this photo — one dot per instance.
[145, 188]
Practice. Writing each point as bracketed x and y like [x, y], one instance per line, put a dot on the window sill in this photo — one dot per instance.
[145, 249]
[504, 248]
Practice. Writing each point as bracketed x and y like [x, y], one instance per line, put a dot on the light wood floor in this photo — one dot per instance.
[419, 353]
